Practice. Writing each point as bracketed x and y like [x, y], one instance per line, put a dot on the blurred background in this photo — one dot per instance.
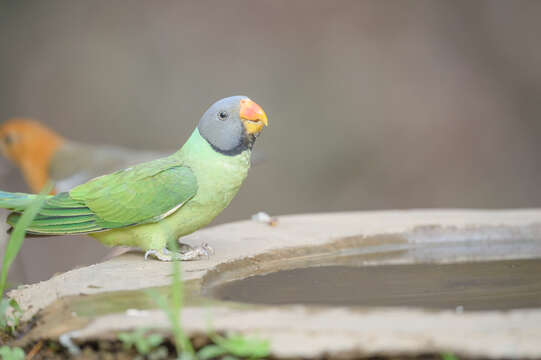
[372, 104]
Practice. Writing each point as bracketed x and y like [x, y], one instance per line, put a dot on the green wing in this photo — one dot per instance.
[141, 194]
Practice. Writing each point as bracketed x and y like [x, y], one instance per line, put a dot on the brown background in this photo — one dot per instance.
[372, 104]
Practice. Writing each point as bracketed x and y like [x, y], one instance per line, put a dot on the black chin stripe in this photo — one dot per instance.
[246, 143]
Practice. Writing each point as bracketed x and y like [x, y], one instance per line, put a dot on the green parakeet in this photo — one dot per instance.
[152, 203]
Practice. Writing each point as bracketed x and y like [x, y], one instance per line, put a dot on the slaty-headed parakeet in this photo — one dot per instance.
[155, 202]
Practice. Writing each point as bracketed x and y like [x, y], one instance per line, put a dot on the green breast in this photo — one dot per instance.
[219, 178]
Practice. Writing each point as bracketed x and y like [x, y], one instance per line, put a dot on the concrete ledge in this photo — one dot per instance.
[247, 248]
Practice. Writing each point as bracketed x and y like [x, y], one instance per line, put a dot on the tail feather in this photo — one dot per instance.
[65, 220]
[59, 215]
[57, 226]
[15, 201]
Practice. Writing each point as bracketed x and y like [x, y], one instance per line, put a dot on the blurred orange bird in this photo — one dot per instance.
[43, 155]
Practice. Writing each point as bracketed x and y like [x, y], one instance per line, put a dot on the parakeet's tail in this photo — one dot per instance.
[15, 201]
[59, 215]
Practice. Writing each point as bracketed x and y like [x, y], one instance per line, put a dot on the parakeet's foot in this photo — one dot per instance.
[194, 253]
[184, 248]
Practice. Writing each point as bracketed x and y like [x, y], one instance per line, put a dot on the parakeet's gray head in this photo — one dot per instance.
[231, 125]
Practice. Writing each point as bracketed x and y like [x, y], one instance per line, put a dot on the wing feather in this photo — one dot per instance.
[141, 194]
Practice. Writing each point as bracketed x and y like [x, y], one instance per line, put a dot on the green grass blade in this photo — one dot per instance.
[177, 303]
[173, 308]
[19, 231]
[449, 356]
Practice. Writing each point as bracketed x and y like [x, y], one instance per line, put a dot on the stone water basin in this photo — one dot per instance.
[347, 285]
[472, 286]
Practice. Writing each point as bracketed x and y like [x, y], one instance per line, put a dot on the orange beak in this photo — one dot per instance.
[253, 116]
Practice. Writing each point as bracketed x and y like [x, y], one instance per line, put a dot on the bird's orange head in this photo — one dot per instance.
[30, 145]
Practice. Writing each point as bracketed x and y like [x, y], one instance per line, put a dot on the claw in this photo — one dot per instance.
[150, 252]
[193, 254]
[205, 251]
[208, 248]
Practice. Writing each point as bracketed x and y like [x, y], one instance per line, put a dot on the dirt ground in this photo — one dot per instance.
[113, 350]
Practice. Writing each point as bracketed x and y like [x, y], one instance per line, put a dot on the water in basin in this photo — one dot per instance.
[487, 285]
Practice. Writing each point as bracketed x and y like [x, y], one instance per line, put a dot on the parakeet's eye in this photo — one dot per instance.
[222, 115]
